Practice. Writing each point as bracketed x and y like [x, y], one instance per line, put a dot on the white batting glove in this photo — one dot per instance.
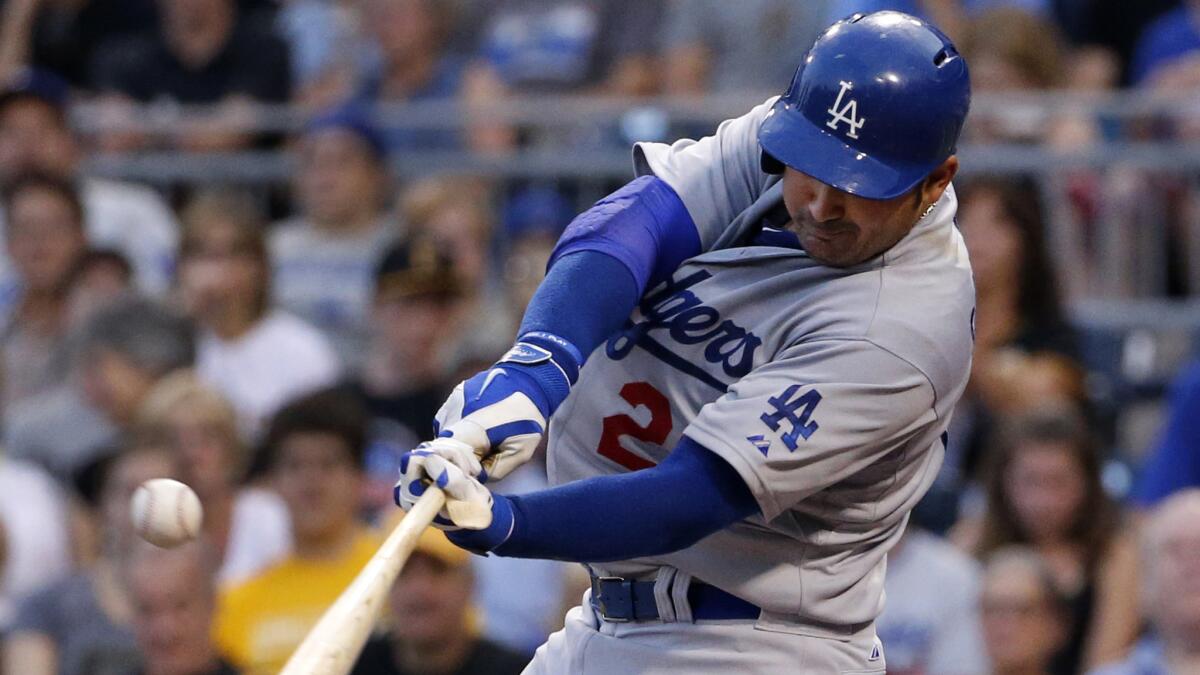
[501, 413]
[468, 502]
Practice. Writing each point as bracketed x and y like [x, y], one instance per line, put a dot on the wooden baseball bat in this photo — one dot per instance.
[333, 645]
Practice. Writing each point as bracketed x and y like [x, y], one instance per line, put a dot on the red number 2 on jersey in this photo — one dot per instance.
[615, 426]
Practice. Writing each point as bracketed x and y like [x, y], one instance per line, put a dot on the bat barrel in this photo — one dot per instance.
[334, 643]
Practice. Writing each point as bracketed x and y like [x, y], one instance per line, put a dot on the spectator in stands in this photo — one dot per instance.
[256, 356]
[126, 350]
[930, 624]
[1024, 348]
[1174, 462]
[64, 37]
[326, 47]
[533, 219]
[1044, 492]
[413, 65]
[325, 257]
[81, 625]
[34, 540]
[34, 429]
[174, 599]
[205, 52]
[45, 241]
[102, 276]
[1024, 615]
[949, 15]
[1167, 51]
[1171, 563]
[430, 626]
[744, 48]
[406, 376]
[314, 450]
[247, 527]
[125, 217]
[1012, 50]
[456, 213]
[589, 47]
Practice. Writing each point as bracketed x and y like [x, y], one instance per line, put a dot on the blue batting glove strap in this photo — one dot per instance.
[488, 539]
[552, 362]
[565, 354]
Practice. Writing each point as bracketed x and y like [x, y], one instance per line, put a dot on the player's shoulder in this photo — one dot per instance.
[926, 304]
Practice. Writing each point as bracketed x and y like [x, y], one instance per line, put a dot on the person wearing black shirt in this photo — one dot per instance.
[431, 629]
[205, 52]
[404, 378]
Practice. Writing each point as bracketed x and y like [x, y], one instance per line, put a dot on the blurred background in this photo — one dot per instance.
[253, 244]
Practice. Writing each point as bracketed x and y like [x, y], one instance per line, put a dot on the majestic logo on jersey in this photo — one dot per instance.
[760, 443]
[795, 409]
[677, 311]
[876, 651]
[848, 113]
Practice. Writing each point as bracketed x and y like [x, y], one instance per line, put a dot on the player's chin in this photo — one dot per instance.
[837, 251]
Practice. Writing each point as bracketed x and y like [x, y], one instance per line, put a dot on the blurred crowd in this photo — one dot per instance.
[278, 348]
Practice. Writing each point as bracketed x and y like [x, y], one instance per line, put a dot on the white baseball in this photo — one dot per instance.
[165, 512]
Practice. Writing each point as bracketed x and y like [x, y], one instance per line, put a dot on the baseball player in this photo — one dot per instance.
[750, 355]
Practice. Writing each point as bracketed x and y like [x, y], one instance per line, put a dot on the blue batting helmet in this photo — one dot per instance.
[876, 105]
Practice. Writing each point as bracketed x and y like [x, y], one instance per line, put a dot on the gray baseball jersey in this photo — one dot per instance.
[828, 390]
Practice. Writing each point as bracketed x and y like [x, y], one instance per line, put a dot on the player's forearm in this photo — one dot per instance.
[691, 495]
[585, 297]
[608, 256]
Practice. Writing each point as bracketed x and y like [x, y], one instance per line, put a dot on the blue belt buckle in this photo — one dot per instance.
[617, 609]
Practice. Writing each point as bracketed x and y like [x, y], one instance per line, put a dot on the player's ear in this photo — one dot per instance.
[938, 180]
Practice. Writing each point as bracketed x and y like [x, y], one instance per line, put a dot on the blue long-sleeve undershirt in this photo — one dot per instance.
[669, 507]
[608, 256]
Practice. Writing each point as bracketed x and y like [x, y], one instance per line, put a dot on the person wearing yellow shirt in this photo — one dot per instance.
[314, 449]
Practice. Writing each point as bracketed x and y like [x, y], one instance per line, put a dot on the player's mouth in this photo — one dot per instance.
[829, 234]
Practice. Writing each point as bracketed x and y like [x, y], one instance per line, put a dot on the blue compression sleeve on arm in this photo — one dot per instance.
[645, 225]
[691, 495]
[608, 256]
[584, 298]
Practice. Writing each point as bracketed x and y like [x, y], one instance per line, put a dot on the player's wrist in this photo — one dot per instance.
[493, 536]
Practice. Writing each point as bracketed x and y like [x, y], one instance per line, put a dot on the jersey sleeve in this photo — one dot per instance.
[716, 177]
[818, 414]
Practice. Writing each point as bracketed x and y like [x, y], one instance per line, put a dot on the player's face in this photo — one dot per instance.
[839, 229]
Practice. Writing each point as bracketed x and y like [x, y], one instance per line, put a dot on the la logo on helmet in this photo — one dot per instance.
[847, 113]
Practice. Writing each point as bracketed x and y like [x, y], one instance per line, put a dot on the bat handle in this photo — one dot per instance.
[334, 643]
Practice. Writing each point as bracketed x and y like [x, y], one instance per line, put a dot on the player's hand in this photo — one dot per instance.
[468, 502]
[501, 413]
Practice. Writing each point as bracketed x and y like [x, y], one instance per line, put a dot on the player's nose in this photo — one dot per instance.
[826, 203]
